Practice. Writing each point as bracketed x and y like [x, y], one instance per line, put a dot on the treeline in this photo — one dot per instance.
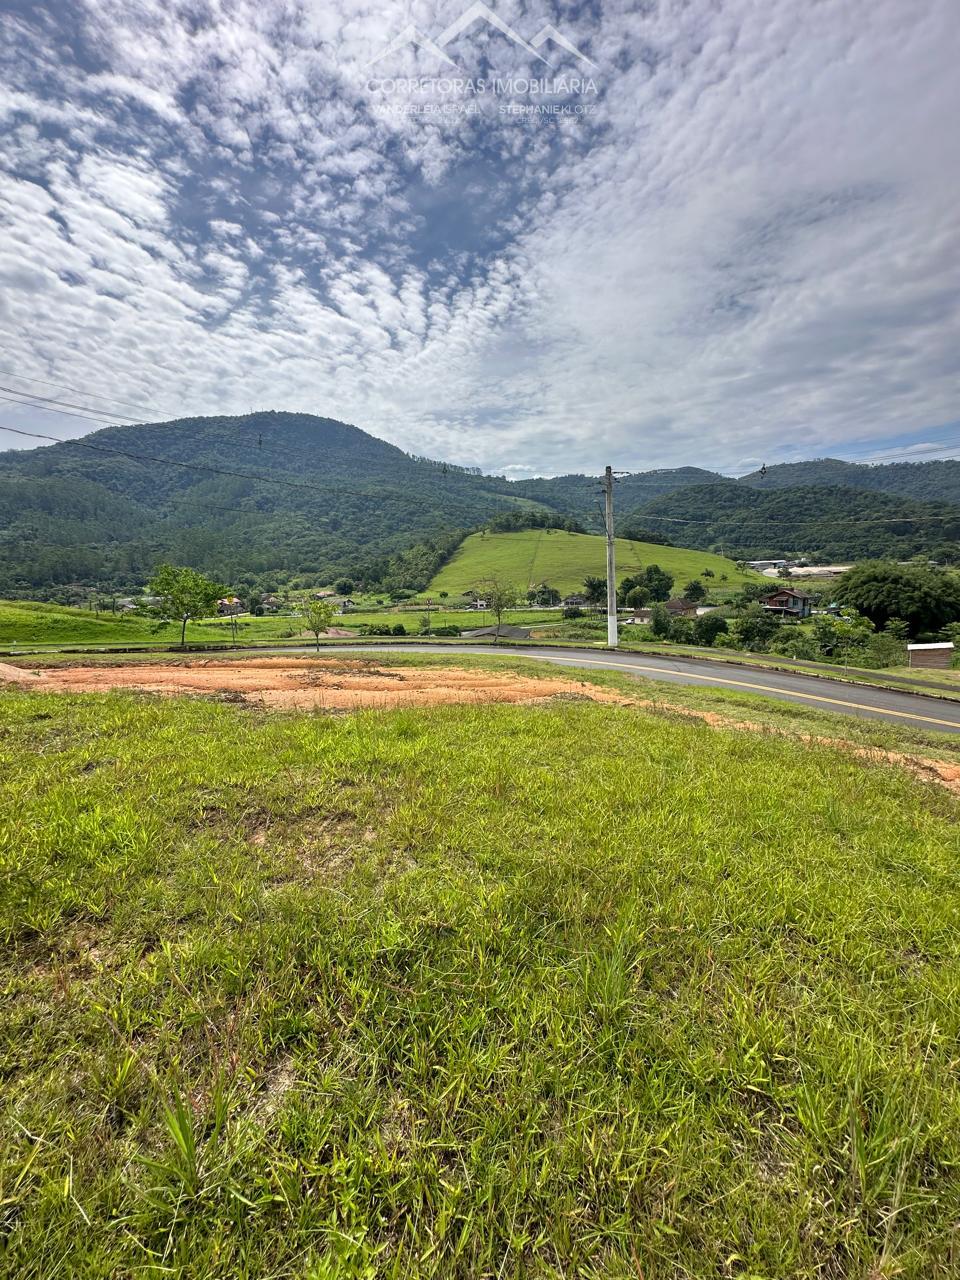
[820, 523]
[529, 518]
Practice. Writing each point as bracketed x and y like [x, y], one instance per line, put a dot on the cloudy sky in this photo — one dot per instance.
[711, 232]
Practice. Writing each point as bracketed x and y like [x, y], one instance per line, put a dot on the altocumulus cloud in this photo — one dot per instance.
[747, 248]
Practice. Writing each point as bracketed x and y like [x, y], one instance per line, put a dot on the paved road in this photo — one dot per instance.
[810, 691]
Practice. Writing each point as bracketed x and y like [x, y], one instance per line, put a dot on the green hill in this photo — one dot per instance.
[563, 560]
[282, 493]
[822, 523]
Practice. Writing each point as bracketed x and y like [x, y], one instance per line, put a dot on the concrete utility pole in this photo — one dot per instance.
[612, 638]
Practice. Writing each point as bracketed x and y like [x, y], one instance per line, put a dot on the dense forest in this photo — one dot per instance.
[823, 523]
[299, 499]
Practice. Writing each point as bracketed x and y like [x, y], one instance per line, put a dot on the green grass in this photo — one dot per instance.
[565, 991]
[563, 560]
[31, 622]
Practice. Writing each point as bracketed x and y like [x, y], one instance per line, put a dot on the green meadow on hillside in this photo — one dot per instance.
[564, 559]
[569, 990]
[29, 622]
[33, 622]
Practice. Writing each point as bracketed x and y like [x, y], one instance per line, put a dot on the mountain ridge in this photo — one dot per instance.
[303, 495]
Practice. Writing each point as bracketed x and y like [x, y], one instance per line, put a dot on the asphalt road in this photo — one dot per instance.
[915, 709]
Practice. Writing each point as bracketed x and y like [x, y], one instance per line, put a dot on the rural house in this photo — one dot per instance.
[788, 603]
[681, 608]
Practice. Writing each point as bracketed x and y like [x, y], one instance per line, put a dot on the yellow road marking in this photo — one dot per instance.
[757, 688]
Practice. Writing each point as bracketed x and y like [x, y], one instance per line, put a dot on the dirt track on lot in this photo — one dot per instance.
[334, 684]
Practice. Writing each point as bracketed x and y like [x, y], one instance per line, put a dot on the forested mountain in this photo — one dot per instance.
[835, 523]
[268, 492]
[296, 496]
[579, 496]
[937, 481]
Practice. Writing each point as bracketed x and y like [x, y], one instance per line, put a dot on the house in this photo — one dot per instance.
[681, 608]
[788, 603]
[229, 605]
[573, 602]
[346, 605]
[937, 655]
[477, 604]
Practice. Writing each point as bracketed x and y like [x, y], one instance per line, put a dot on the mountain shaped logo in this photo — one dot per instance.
[478, 11]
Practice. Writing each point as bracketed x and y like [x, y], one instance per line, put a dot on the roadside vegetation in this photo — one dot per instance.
[372, 995]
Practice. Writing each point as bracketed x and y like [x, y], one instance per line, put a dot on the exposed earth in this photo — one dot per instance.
[330, 683]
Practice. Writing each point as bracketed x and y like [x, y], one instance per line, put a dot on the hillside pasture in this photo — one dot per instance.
[563, 560]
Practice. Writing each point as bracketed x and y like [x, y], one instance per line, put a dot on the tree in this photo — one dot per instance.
[631, 583]
[635, 531]
[544, 596]
[925, 599]
[661, 624]
[707, 628]
[659, 582]
[184, 594]
[756, 627]
[695, 590]
[595, 589]
[637, 597]
[343, 586]
[317, 616]
[500, 596]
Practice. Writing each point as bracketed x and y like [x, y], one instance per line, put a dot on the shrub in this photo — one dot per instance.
[573, 611]
[398, 630]
[707, 628]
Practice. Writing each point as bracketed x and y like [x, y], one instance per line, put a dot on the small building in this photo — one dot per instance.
[938, 655]
[346, 605]
[762, 566]
[788, 603]
[681, 608]
[573, 602]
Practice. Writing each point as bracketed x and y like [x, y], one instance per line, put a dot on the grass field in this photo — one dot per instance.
[32, 622]
[479, 991]
[563, 560]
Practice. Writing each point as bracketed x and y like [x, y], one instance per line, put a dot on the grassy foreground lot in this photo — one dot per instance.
[477, 991]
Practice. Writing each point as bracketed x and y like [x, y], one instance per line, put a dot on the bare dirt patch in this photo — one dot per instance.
[332, 684]
[939, 771]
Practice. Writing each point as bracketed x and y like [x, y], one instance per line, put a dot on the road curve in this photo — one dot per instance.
[920, 711]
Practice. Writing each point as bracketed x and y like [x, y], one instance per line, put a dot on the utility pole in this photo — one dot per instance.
[611, 566]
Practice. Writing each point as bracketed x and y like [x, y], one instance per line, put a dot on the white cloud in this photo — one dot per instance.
[753, 250]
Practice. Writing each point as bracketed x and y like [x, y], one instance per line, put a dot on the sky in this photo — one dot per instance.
[536, 237]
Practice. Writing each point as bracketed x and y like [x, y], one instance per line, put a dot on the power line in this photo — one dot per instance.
[62, 386]
[50, 400]
[292, 484]
[27, 404]
[740, 519]
[200, 466]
